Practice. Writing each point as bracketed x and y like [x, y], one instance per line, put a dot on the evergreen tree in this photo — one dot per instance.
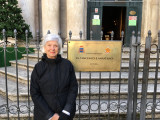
[11, 18]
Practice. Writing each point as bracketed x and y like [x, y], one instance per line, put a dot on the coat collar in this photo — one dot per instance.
[57, 60]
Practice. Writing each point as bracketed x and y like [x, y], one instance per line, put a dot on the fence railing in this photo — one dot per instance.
[131, 94]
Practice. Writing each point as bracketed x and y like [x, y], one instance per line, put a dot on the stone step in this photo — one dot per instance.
[11, 74]
[85, 76]
[124, 50]
[12, 89]
[23, 64]
[106, 91]
[125, 57]
[13, 109]
[113, 77]
[84, 111]
[103, 91]
[125, 65]
[3, 101]
[34, 56]
[84, 103]
[112, 112]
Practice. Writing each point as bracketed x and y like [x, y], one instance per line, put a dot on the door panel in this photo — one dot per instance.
[96, 22]
[131, 23]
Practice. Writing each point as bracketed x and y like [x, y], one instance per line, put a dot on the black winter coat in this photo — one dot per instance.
[53, 87]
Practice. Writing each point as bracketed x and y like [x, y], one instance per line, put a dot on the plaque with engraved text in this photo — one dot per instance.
[90, 55]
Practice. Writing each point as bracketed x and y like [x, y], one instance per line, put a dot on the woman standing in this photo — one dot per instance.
[53, 86]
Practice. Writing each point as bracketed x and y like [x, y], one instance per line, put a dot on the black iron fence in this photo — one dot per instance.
[130, 94]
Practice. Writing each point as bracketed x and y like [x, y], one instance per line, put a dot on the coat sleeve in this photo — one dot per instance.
[37, 97]
[73, 91]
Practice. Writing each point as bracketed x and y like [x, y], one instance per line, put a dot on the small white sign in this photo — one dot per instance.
[96, 10]
[96, 17]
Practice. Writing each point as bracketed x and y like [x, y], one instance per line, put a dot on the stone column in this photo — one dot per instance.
[154, 19]
[159, 16]
[50, 16]
[28, 14]
[145, 20]
[76, 18]
[38, 16]
[63, 19]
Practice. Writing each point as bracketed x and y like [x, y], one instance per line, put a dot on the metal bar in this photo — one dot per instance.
[145, 76]
[6, 82]
[122, 37]
[89, 107]
[38, 48]
[63, 41]
[48, 32]
[112, 35]
[15, 48]
[70, 35]
[101, 35]
[156, 79]
[91, 35]
[27, 49]
[80, 34]
[99, 101]
[109, 87]
[59, 33]
[119, 93]
[136, 76]
[79, 95]
[130, 79]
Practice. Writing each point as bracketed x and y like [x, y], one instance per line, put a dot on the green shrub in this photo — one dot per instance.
[10, 55]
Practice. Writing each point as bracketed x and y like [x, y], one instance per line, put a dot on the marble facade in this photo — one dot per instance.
[66, 15]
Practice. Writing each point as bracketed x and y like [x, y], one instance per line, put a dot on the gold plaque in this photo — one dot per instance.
[95, 55]
[132, 12]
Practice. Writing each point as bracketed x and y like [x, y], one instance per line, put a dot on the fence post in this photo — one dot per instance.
[37, 46]
[130, 78]
[112, 35]
[138, 42]
[59, 33]
[91, 35]
[6, 81]
[145, 76]
[101, 35]
[122, 36]
[156, 78]
[48, 32]
[80, 34]
[70, 35]
[28, 83]
[16, 56]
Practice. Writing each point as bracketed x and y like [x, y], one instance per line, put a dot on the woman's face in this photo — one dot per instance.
[51, 49]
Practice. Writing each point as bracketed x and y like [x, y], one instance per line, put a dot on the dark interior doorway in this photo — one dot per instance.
[113, 19]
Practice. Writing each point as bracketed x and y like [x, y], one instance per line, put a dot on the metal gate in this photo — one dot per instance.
[131, 94]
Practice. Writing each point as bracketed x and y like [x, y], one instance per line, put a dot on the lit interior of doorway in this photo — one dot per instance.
[113, 20]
